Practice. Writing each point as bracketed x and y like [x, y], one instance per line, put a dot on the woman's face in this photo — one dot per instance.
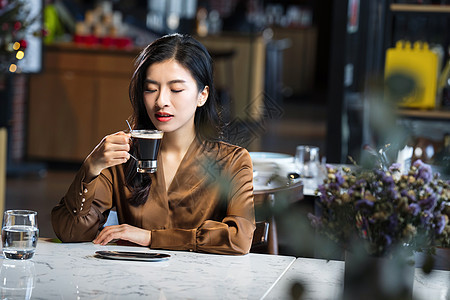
[171, 96]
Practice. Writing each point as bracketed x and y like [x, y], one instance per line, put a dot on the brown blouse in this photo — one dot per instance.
[207, 208]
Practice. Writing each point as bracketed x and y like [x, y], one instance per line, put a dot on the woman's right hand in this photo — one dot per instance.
[111, 151]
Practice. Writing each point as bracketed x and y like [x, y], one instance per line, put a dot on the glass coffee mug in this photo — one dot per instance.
[146, 143]
[19, 234]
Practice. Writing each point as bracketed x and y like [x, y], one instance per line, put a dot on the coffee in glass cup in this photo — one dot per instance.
[147, 143]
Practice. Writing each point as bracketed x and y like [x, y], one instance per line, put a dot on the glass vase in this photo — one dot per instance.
[368, 277]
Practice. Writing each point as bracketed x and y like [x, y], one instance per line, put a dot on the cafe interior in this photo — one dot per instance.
[316, 91]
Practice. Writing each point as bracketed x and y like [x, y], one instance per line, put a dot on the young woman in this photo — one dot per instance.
[201, 196]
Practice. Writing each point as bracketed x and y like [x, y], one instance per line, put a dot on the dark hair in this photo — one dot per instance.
[193, 56]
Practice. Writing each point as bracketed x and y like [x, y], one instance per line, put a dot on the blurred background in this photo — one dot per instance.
[288, 73]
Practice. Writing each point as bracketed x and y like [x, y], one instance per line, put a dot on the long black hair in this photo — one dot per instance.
[193, 56]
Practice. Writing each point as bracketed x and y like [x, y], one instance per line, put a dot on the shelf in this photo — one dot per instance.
[420, 8]
[425, 114]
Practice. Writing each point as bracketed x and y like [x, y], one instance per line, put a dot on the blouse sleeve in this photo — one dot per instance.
[81, 212]
[234, 234]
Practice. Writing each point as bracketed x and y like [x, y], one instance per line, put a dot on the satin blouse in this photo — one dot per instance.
[208, 207]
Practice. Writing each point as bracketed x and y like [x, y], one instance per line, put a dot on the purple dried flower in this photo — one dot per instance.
[330, 167]
[418, 163]
[379, 172]
[388, 180]
[375, 185]
[441, 222]
[395, 167]
[339, 179]
[426, 217]
[334, 186]
[426, 174]
[363, 201]
[323, 197]
[360, 182]
[350, 191]
[392, 192]
[388, 208]
[414, 209]
[429, 202]
[411, 196]
[424, 171]
[322, 189]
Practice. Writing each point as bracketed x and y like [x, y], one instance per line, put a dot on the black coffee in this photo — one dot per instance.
[147, 143]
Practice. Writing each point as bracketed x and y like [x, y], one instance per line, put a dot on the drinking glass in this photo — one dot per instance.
[147, 143]
[17, 279]
[19, 234]
[307, 161]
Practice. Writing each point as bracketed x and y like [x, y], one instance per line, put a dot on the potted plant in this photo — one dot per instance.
[382, 211]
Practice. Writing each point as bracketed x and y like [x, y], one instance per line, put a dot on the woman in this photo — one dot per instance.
[201, 196]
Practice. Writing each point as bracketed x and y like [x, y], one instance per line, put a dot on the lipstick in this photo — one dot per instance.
[163, 117]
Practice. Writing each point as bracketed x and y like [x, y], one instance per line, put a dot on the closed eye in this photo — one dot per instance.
[176, 91]
[149, 91]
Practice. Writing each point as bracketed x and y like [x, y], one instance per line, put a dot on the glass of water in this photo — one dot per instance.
[19, 234]
[17, 279]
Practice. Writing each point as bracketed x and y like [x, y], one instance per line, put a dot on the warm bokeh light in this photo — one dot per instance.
[20, 54]
[16, 46]
[12, 68]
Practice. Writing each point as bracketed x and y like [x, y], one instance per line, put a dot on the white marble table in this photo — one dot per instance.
[70, 271]
[323, 280]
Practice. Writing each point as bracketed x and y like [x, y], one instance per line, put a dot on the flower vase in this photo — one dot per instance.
[368, 277]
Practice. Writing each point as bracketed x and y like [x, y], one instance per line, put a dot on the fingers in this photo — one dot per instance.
[119, 139]
[114, 149]
[108, 234]
[125, 232]
[116, 158]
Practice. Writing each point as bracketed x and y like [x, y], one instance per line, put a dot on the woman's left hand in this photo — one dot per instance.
[124, 232]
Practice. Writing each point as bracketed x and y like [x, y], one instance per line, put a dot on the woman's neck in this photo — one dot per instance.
[177, 141]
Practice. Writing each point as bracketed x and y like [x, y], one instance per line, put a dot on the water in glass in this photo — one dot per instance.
[19, 234]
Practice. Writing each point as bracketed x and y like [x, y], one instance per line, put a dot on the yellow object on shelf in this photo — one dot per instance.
[417, 65]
